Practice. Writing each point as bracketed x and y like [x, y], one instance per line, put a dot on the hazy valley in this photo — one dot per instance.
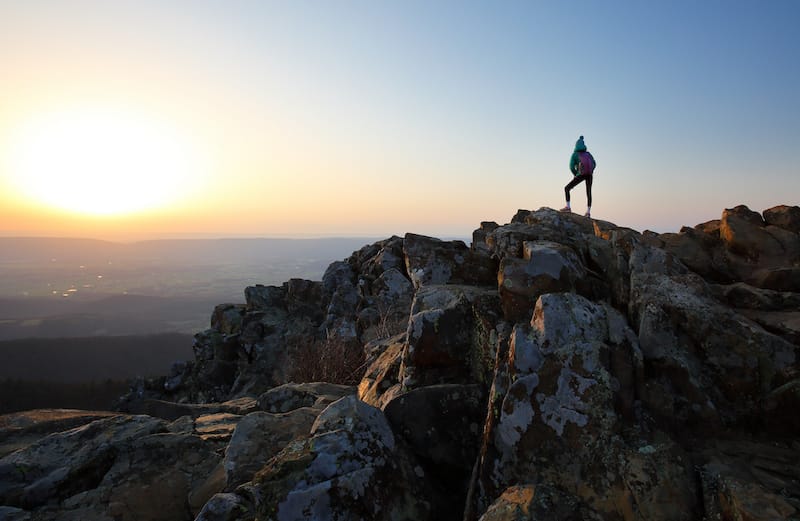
[75, 287]
[80, 317]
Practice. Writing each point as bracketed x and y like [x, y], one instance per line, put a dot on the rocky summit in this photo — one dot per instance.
[558, 368]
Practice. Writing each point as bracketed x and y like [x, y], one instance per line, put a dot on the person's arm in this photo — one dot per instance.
[573, 163]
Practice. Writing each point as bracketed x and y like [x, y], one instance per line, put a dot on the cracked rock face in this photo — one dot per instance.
[546, 267]
[447, 341]
[557, 418]
[349, 468]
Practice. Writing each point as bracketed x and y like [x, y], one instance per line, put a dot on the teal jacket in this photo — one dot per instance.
[580, 146]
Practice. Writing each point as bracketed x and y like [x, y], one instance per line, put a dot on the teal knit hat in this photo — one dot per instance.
[580, 146]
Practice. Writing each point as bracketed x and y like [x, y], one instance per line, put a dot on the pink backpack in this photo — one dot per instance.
[585, 163]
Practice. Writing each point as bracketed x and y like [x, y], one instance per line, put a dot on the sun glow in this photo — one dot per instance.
[101, 161]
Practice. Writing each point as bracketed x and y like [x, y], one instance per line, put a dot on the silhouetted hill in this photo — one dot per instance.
[41, 317]
[20, 395]
[177, 251]
[32, 249]
[79, 287]
[86, 373]
[91, 359]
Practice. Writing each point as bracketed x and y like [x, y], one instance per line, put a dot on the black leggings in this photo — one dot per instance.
[576, 181]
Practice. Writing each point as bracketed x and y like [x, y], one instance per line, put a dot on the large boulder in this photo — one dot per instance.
[449, 337]
[560, 404]
[554, 225]
[744, 296]
[745, 233]
[710, 368]
[123, 467]
[291, 396]
[442, 423]
[385, 312]
[432, 261]
[381, 381]
[546, 267]
[350, 468]
[370, 293]
[287, 413]
[258, 437]
[372, 260]
[786, 217]
[340, 318]
[279, 319]
[480, 235]
[227, 318]
[216, 362]
[170, 411]
[21, 429]
[741, 246]
[701, 252]
[64, 464]
[264, 298]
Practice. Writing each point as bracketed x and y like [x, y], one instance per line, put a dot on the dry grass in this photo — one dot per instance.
[332, 360]
[392, 321]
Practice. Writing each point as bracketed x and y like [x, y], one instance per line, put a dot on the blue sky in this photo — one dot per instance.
[357, 117]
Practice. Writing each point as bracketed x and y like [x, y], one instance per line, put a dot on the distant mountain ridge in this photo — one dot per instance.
[208, 251]
[76, 360]
[51, 287]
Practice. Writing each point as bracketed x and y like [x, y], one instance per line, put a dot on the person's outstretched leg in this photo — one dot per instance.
[572, 184]
[588, 196]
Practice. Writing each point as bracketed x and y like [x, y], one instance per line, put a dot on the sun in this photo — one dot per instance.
[100, 161]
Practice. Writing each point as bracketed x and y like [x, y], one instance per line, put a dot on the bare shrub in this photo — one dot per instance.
[332, 360]
[392, 321]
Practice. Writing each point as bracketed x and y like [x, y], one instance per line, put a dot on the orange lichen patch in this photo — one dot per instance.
[520, 496]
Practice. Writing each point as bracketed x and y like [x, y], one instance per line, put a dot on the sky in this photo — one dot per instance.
[145, 119]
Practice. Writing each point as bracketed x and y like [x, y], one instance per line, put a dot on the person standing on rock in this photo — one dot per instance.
[582, 165]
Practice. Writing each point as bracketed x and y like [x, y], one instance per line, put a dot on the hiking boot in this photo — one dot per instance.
[565, 209]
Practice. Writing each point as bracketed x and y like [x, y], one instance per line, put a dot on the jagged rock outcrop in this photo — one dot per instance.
[350, 467]
[563, 416]
[132, 464]
[559, 368]
[104, 466]
[287, 413]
